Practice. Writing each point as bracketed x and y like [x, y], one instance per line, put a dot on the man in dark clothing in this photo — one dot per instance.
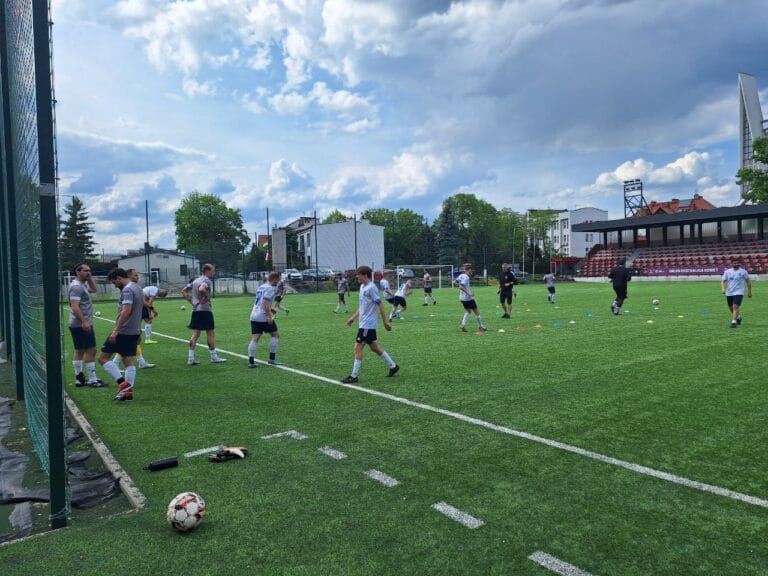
[506, 285]
[620, 276]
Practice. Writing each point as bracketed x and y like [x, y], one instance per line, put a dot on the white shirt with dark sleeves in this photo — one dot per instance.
[78, 292]
[194, 288]
[735, 281]
[463, 280]
[427, 281]
[265, 293]
[131, 295]
[369, 306]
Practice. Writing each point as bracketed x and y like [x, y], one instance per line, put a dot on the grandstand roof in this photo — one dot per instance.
[714, 215]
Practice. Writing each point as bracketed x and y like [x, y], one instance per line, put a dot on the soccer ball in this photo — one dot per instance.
[97, 313]
[183, 307]
[655, 302]
[186, 511]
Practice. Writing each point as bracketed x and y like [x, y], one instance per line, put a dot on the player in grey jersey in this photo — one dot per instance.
[81, 326]
[198, 293]
[125, 335]
[370, 305]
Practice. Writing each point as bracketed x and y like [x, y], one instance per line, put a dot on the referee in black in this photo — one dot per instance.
[506, 283]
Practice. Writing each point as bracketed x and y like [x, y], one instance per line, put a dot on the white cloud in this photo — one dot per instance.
[194, 88]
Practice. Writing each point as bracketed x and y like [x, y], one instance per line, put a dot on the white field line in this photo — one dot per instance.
[639, 469]
[556, 565]
[382, 478]
[332, 453]
[458, 515]
[290, 433]
[202, 451]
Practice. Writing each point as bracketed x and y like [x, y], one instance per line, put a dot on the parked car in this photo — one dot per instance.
[291, 274]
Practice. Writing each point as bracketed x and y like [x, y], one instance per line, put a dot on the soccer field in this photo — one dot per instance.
[565, 440]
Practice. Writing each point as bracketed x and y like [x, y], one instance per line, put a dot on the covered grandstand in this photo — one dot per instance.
[684, 244]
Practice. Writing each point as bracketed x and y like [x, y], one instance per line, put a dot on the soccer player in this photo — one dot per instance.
[81, 326]
[386, 290]
[549, 280]
[279, 295]
[732, 285]
[506, 290]
[148, 312]
[398, 302]
[370, 304]
[619, 276]
[342, 287]
[125, 335]
[467, 299]
[262, 320]
[135, 276]
[427, 280]
[198, 293]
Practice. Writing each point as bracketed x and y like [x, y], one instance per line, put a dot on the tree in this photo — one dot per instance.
[756, 176]
[447, 236]
[424, 251]
[76, 242]
[334, 218]
[208, 229]
[477, 224]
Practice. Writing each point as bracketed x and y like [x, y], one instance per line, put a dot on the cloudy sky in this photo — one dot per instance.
[302, 105]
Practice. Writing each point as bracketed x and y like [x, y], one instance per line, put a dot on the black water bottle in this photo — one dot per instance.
[155, 465]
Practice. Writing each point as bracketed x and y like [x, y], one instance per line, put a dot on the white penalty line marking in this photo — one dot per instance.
[458, 515]
[332, 453]
[382, 478]
[645, 470]
[203, 451]
[556, 565]
[289, 433]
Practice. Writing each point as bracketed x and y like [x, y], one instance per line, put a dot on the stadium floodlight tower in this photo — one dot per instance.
[751, 123]
[633, 197]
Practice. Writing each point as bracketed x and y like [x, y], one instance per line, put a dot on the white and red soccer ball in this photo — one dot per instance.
[186, 511]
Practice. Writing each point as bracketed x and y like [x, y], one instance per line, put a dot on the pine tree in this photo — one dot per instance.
[447, 236]
[76, 242]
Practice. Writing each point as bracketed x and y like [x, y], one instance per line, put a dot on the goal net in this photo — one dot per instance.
[442, 274]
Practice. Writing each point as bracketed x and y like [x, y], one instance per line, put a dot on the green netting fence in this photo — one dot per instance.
[28, 251]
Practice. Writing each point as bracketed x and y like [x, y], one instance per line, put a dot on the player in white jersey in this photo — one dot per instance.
[370, 305]
[263, 321]
[549, 280]
[198, 293]
[732, 285]
[427, 281]
[467, 299]
[399, 303]
[81, 326]
[386, 290]
[148, 312]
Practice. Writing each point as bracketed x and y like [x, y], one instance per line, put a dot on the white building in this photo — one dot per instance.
[575, 244]
[751, 121]
[340, 245]
[167, 268]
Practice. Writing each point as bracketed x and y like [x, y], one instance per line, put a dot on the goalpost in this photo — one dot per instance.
[442, 274]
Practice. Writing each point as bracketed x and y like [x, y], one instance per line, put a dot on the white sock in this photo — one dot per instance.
[147, 332]
[130, 375]
[356, 368]
[111, 368]
[388, 360]
[464, 320]
[141, 361]
[251, 349]
[191, 354]
[214, 354]
[90, 367]
[479, 320]
[273, 342]
[78, 366]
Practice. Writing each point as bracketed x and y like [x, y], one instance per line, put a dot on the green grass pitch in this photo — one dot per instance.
[671, 388]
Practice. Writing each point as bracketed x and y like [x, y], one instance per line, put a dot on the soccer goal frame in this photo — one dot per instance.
[442, 274]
